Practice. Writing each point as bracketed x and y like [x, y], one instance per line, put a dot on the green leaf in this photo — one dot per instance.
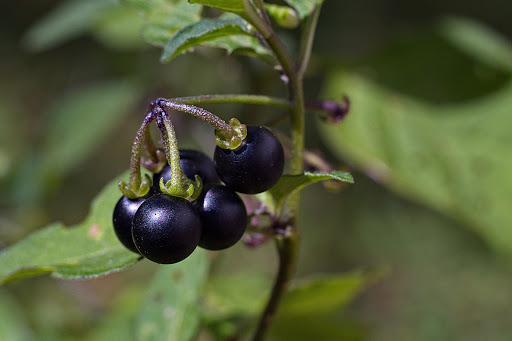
[201, 32]
[76, 126]
[89, 249]
[171, 309]
[322, 294]
[79, 122]
[69, 20]
[244, 45]
[238, 294]
[289, 184]
[232, 301]
[455, 158]
[13, 137]
[164, 18]
[304, 7]
[117, 323]
[233, 6]
[119, 28]
[13, 326]
[176, 27]
[479, 41]
[325, 327]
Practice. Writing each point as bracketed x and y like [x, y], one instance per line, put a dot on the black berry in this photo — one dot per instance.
[166, 229]
[255, 166]
[223, 216]
[122, 219]
[192, 162]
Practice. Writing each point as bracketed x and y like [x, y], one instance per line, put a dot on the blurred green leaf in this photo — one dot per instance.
[76, 126]
[289, 184]
[79, 122]
[171, 308]
[233, 6]
[308, 309]
[316, 327]
[67, 21]
[427, 64]
[163, 18]
[89, 249]
[13, 138]
[241, 293]
[455, 158]
[479, 41]
[118, 322]
[323, 294]
[304, 7]
[232, 301]
[201, 32]
[119, 28]
[13, 326]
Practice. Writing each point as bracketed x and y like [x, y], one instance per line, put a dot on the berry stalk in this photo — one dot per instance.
[234, 98]
[137, 187]
[229, 136]
[179, 185]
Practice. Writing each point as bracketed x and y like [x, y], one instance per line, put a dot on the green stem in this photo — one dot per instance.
[150, 147]
[234, 98]
[307, 38]
[170, 143]
[201, 113]
[270, 38]
[178, 185]
[228, 136]
[298, 123]
[136, 188]
[287, 245]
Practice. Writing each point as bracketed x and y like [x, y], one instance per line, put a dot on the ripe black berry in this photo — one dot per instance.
[223, 215]
[192, 162]
[122, 219]
[166, 229]
[255, 166]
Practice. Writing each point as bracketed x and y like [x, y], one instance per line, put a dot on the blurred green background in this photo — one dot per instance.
[427, 138]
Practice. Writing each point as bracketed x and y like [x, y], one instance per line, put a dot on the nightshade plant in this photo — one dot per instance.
[243, 26]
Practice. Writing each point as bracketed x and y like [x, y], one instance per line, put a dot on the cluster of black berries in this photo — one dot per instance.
[166, 229]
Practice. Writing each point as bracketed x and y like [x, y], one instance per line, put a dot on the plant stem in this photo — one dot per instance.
[150, 147]
[234, 98]
[307, 37]
[287, 244]
[298, 122]
[170, 143]
[135, 175]
[270, 38]
[201, 113]
[287, 248]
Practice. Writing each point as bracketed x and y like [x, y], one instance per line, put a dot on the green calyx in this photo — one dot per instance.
[233, 138]
[184, 188]
[136, 190]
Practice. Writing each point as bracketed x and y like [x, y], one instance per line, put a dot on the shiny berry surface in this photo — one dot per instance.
[223, 216]
[166, 229]
[124, 212]
[255, 166]
[192, 162]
